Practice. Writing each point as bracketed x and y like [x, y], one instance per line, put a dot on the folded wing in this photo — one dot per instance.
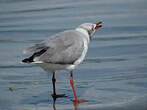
[62, 48]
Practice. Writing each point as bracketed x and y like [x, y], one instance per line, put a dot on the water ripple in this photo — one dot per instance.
[134, 37]
[36, 10]
[100, 60]
[16, 66]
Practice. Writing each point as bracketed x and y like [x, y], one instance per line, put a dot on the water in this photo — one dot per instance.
[114, 73]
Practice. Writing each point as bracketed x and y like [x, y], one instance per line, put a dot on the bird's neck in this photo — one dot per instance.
[83, 31]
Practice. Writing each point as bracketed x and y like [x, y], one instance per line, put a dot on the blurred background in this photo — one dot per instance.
[114, 73]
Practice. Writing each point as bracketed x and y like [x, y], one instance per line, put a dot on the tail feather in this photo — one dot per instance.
[35, 48]
[37, 54]
[27, 60]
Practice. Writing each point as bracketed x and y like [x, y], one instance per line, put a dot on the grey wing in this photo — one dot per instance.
[66, 48]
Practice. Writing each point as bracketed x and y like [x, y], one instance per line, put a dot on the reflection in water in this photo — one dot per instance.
[75, 105]
[54, 103]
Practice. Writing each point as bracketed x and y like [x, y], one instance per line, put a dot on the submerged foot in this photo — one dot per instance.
[79, 101]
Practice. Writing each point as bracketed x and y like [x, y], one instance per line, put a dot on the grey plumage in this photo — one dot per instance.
[63, 48]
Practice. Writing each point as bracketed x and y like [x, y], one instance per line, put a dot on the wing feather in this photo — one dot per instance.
[63, 48]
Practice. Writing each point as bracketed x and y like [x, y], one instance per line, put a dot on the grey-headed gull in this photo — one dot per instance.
[63, 51]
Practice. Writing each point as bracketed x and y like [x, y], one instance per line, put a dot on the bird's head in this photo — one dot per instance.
[91, 27]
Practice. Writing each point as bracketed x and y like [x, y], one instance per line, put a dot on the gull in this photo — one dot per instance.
[63, 51]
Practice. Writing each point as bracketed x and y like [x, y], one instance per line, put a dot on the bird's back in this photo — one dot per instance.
[62, 48]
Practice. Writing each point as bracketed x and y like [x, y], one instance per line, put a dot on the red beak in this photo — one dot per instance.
[98, 25]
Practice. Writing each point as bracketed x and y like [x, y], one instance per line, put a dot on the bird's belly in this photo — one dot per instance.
[53, 67]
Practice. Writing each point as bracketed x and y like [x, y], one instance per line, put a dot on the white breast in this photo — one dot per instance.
[86, 41]
[81, 58]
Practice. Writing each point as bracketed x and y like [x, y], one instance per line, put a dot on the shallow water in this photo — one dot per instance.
[114, 73]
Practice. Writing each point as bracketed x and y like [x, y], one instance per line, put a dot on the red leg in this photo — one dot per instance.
[76, 100]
